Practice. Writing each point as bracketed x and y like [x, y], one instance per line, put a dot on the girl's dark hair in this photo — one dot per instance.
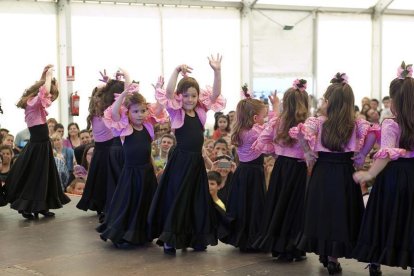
[84, 162]
[402, 95]
[185, 83]
[227, 119]
[105, 96]
[338, 128]
[295, 111]
[34, 90]
[134, 98]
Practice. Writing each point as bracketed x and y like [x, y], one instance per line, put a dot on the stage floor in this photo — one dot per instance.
[69, 245]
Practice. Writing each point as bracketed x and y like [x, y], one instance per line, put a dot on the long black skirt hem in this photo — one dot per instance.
[284, 207]
[387, 230]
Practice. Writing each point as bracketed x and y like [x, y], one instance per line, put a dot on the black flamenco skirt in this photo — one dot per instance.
[246, 204]
[182, 212]
[283, 214]
[33, 183]
[94, 195]
[387, 230]
[333, 207]
[126, 218]
[115, 165]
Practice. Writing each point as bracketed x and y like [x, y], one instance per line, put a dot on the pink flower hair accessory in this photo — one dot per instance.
[300, 85]
[245, 91]
[340, 78]
[405, 71]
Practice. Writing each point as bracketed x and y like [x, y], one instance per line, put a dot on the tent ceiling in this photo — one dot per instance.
[356, 6]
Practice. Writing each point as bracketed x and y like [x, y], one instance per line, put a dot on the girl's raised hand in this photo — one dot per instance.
[184, 69]
[274, 100]
[159, 84]
[45, 70]
[104, 76]
[215, 63]
[49, 72]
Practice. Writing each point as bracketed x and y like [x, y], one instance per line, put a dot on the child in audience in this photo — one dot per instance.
[33, 184]
[76, 187]
[285, 199]
[131, 118]
[214, 181]
[221, 126]
[334, 206]
[246, 200]
[387, 229]
[182, 211]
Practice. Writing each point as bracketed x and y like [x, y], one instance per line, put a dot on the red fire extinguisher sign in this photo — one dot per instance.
[70, 73]
[74, 104]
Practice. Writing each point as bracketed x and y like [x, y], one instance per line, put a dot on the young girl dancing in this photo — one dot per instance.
[131, 118]
[334, 205]
[285, 199]
[182, 212]
[245, 202]
[33, 185]
[387, 229]
[101, 181]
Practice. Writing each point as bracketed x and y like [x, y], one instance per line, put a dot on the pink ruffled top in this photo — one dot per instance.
[312, 130]
[177, 113]
[246, 151]
[35, 112]
[124, 128]
[390, 137]
[101, 132]
[265, 142]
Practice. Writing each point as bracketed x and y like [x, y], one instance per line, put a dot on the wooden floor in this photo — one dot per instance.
[69, 245]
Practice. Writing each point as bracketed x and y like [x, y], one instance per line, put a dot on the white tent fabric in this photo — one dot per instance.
[28, 32]
[149, 40]
[278, 52]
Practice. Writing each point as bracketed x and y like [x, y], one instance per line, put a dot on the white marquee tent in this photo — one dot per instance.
[265, 43]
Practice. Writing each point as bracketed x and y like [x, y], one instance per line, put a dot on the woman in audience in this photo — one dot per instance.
[66, 154]
[73, 139]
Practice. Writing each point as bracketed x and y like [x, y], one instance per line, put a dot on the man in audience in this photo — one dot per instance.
[374, 103]
[22, 138]
[85, 138]
[60, 129]
[386, 111]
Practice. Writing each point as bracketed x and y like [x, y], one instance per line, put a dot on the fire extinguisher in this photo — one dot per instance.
[74, 104]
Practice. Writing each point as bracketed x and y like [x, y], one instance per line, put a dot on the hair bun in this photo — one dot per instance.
[245, 91]
[405, 71]
[300, 85]
[340, 78]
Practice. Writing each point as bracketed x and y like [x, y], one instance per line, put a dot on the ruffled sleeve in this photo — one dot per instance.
[161, 97]
[41, 97]
[309, 129]
[155, 115]
[390, 135]
[363, 127]
[205, 99]
[121, 127]
[264, 142]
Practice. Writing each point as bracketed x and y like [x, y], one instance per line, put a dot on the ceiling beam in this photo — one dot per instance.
[184, 3]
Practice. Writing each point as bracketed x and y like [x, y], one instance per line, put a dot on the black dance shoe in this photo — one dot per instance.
[285, 257]
[45, 213]
[275, 254]
[27, 215]
[101, 217]
[333, 268]
[169, 251]
[323, 260]
[200, 248]
[374, 270]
